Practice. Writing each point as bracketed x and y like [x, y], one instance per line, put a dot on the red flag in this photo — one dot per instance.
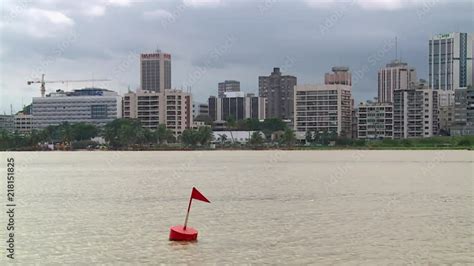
[197, 195]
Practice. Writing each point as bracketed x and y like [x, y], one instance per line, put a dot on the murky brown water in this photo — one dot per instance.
[323, 207]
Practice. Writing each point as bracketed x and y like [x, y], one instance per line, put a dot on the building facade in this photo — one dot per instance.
[450, 61]
[172, 108]
[323, 108]
[23, 123]
[155, 71]
[227, 86]
[90, 105]
[394, 76]
[6, 123]
[463, 123]
[236, 106]
[375, 121]
[340, 75]
[278, 89]
[415, 112]
[200, 109]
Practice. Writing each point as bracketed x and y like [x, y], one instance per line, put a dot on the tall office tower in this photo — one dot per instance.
[237, 106]
[415, 112]
[278, 89]
[394, 76]
[323, 108]
[450, 61]
[155, 71]
[227, 86]
[341, 75]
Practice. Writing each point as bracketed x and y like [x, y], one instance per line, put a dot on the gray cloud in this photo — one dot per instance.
[106, 37]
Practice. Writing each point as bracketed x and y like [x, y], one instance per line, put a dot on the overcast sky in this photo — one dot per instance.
[211, 41]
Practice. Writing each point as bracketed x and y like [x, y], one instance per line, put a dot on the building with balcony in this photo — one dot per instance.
[172, 108]
[326, 108]
[415, 112]
[375, 121]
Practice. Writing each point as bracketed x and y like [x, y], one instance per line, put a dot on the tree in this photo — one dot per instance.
[231, 125]
[256, 139]
[163, 134]
[222, 138]
[288, 137]
[190, 137]
[205, 135]
[309, 136]
[83, 131]
[272, 125]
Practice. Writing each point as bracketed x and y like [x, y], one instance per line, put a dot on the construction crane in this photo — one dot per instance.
[43, 82]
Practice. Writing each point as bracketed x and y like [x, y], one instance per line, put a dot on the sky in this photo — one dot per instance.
[214, 40]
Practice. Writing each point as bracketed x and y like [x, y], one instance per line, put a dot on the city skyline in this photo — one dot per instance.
[57, 42]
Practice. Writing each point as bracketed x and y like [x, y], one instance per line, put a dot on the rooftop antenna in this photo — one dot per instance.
[11, 109]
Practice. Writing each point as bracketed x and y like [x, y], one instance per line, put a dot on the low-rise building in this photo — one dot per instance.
[375, 121]
[326, 108]
[234, 136]
[415, 112]
[90, 105]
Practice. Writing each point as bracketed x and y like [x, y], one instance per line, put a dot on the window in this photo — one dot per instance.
[99, 111]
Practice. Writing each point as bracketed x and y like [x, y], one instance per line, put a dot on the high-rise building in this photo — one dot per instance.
[375, 120]
[227, 86]
[463, 123]
[237, 106]
[172, 108]
[323, 108]
[450, 61]
[415, 112]
[90, 105]
[278, 89]
[155, 71]
[341, 75]
[394, 76]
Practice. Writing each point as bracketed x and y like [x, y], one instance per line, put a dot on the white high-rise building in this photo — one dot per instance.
[325, 107]
[155, 71]
[172, 108]
[394, 76]
[450, 61]
[415, 112]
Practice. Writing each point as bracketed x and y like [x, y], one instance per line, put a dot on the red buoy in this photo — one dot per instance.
[185, 233]
[178, 233]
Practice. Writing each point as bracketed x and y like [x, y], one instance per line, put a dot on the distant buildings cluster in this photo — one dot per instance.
[405, 106]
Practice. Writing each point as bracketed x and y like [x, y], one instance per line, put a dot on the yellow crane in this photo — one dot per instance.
[43, 82]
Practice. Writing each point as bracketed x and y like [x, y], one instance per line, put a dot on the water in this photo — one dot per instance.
[284, 207]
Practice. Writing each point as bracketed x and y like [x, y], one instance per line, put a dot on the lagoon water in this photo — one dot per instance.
[280, 207]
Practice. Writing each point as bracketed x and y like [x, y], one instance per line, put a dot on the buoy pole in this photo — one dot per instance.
[187, 214]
